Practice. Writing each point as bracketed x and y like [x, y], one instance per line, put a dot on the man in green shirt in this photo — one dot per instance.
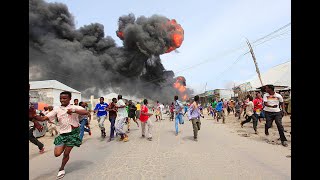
[214, 105]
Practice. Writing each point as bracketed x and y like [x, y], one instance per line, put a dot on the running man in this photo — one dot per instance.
[178, 111]
[138, 111]
[171, 111]
[237, 109]
[185, 109]
[52, 126]
[68, 119]
[161, 106]
[101, 111]
[214, 105]
[194, 116]
[220, 111]
[158, 111]
[34, 124]
[250, 115]
[121, 119]
[144, 118]
[272, 111]
[83, 120]
[258, 107]
[131, 114]
[112, 108]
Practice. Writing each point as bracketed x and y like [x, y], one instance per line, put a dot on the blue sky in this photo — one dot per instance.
[214, 31]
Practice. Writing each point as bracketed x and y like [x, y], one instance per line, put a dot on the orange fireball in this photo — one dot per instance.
[176, 36]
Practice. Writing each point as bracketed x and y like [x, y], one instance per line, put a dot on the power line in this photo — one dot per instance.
[238, 59]
[231, 51]
[272, 32]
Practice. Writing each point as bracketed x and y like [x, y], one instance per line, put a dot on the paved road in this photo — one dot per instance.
[218, 154]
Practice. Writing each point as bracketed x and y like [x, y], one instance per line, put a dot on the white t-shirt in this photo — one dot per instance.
[272, 100]
[161, 108]
[249, 108]
[122, 112]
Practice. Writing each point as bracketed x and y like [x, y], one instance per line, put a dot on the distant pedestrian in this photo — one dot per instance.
[185, 109]
[83, 120]
[178, 111]
[171, 109]
[52, 126]
[76, 102]
[237, 109]
[138, 111]
[101, 111]
[220, 111]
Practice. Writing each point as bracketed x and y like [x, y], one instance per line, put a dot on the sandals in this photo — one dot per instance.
[61, 174]
[41, 151]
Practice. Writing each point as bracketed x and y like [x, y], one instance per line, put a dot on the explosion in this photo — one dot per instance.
[176, 36]
[91, 62]
[180, 85]
[170, 32]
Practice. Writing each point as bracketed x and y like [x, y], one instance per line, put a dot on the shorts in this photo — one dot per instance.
[69, 139]
[132, 116]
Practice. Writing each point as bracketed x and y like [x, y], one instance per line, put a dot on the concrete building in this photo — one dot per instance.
[48, 92]
[223, 93]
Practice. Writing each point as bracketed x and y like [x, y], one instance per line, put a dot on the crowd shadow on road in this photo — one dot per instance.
[31, 156]
[188, 138]
[73, 166]
[172, 131]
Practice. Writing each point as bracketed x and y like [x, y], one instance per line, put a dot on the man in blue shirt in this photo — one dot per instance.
[101, 111]
[219, 109]
[185, 109]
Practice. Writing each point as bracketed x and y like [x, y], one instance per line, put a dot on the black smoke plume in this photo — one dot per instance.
[89, 61]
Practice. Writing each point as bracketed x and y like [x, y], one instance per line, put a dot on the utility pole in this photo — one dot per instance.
[234, 86]
[205, 87]
[255, 62]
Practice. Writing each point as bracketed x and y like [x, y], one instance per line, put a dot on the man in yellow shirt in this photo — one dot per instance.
[138, 111]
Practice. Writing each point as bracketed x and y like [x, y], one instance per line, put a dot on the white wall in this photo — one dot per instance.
[42, 95]
[225, 93]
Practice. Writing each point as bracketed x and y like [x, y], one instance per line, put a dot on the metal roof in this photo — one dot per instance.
[51, 84]
[279, 75]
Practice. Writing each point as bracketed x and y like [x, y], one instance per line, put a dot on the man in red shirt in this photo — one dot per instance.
[144, 118]
[258, 107]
